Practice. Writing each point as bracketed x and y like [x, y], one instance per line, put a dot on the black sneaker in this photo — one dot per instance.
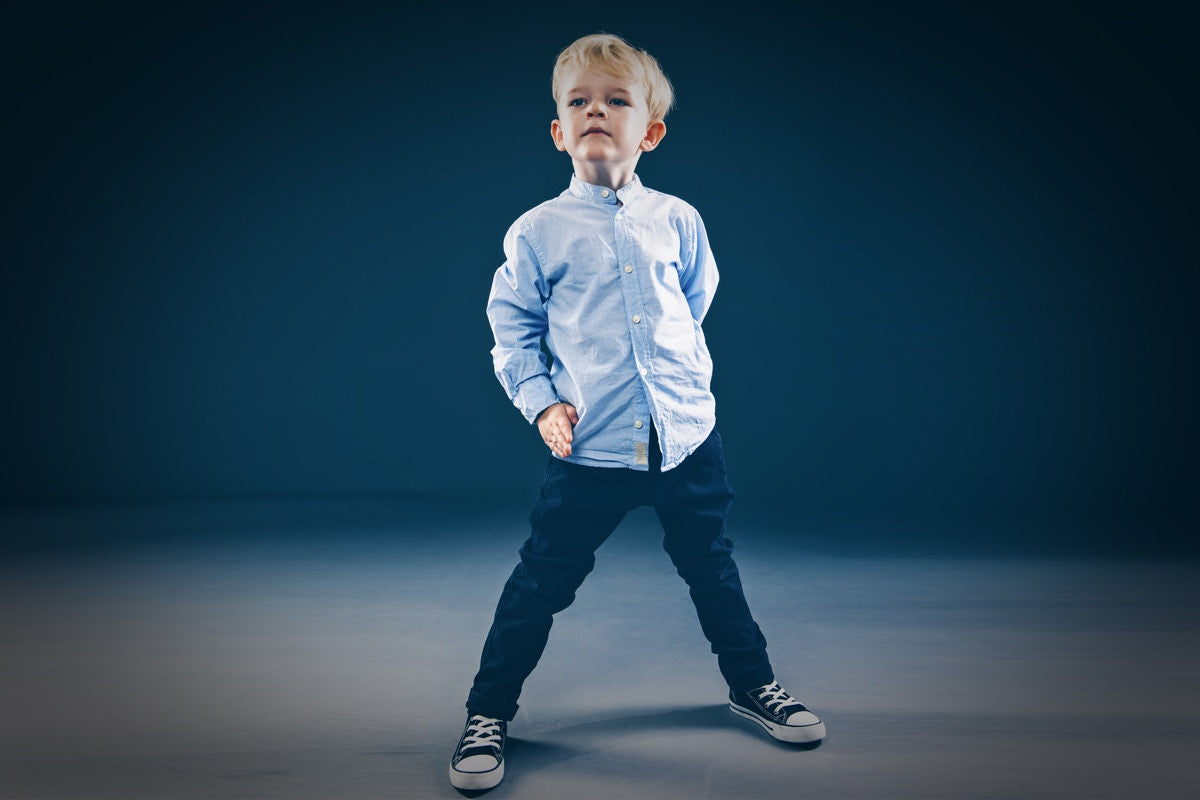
[478, 761]
[782, 715]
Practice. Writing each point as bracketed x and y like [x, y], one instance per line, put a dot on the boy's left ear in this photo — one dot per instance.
[655, 131]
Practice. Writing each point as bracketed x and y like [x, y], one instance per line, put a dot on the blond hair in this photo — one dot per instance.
[603, 52]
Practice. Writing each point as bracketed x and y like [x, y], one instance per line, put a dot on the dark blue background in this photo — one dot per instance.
[247, 251]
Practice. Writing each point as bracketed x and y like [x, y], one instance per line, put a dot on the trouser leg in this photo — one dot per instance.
[576, 511]
[692, 504]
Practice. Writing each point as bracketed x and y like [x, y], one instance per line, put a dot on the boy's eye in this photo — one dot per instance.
[578, 101]
[617, 101]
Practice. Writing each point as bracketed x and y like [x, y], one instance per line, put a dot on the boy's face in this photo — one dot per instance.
[604, 125]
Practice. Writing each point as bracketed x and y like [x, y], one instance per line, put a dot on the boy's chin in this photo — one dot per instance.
[590, 156]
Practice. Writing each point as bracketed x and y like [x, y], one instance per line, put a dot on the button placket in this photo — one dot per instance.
[628, 258]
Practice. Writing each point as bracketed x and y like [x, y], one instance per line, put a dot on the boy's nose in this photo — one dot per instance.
[596, 111]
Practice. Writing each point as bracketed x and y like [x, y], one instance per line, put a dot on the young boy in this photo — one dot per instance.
[615, 279]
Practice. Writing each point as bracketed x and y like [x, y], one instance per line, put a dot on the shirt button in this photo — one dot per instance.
[637, 318]
[644, 371]
[605, 193]
[637, 424]
[629, 268]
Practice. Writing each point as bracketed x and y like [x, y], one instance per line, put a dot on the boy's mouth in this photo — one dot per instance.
[590, 131]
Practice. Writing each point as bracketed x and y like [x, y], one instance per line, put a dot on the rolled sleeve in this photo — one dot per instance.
[517, 314]
[534, 396]
[698, 278]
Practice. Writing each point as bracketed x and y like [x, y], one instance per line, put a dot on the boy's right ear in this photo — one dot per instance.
[556, 133]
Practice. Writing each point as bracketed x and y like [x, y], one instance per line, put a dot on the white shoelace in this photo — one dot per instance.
[481, 732]
[774, 697]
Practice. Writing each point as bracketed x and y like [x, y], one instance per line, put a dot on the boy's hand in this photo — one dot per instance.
[556, 424]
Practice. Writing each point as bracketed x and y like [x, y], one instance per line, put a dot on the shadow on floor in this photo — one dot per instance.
[621, 726]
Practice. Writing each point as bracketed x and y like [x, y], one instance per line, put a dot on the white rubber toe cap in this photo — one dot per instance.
[476, 772]
[476, 764]
[803, 718]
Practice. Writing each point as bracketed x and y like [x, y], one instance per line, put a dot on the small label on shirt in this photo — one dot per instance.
[639, 453]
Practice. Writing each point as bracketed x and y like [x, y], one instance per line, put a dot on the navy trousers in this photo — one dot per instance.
[577, 509]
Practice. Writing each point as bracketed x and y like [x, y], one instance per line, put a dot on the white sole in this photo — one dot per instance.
[475, 781]
[792, 734]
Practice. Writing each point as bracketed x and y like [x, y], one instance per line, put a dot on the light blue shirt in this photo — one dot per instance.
[616, 284]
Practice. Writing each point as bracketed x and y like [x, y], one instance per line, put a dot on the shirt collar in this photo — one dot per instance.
[604, 195]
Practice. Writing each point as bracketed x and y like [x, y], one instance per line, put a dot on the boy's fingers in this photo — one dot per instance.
[559, 431]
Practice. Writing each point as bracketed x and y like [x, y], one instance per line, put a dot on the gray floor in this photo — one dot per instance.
[268, 651]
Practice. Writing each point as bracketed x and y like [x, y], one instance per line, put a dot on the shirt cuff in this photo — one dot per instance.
[534, 396]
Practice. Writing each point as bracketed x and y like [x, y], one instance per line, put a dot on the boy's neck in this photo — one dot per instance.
[601, 175]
